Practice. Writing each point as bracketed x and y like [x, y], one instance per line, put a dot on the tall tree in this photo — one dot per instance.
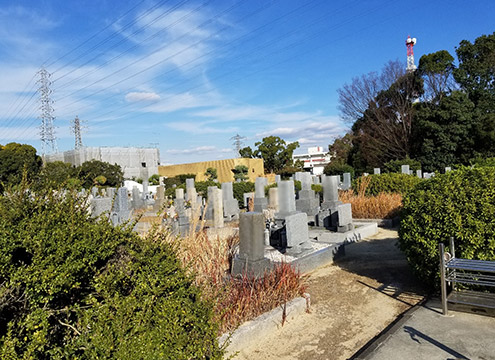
[476, 76]
[355, 97]
[14, 159]
[384, 131]
[274, 151]
[437, 72]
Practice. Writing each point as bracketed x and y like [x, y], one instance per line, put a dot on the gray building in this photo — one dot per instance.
[135, 162]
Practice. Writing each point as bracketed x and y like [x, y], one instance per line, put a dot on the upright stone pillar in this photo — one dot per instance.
[405, 169]
[159, 198]
[137, 200]
[217, 208]
[251, 258]
[120, 212]
[273, 199]
[278, 178]
[346, 184]
[260, 201]
[419, 174]
[330, 192]
[307, 201]
[376, 171]
[447, 169]
[286, 199]
[230, 204]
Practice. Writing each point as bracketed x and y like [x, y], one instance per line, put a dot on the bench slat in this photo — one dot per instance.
[472, 298]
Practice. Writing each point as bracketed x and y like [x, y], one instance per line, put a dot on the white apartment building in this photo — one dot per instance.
[314, 160]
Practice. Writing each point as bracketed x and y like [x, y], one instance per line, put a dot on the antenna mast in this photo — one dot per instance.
[410, 42]
[47, 130]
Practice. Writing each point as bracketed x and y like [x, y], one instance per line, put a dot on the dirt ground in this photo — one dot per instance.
[352, 301]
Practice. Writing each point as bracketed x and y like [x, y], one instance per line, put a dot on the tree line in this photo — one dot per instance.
[440, 114]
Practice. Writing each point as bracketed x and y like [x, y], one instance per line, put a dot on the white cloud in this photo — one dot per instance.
[196, 150]
[142, 96]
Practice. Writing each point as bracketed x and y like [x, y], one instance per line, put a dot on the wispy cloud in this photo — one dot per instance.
[142, 96]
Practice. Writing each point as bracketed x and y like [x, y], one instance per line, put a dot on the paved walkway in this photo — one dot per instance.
[424, 333]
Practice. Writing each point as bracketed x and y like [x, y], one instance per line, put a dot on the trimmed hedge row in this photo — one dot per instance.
[387, 183]
[461, 204]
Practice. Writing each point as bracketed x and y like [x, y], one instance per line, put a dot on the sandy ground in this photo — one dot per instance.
[351, 302]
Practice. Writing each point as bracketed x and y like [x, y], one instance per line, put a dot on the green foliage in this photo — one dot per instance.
[287, 171]
[481, 162]
[460, 204]
[14, 159]
[57, 173]
[211, 174]
[443, 132]
[154, 179]
[183, 177]
[395, 166]
[274, 151]
[77, 287]
[335, 168]
[202, 187]
[387, 183]
[240, 172]
[170, 191]
[239, 188]
[90, 170]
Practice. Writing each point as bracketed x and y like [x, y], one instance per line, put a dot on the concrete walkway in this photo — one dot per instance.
[424, 333]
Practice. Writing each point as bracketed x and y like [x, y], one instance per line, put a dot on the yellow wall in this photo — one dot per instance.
[224, 169]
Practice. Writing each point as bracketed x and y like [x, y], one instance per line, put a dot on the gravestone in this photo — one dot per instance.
[344, 212]
[100, 206]
[251, 258]
[297, 233]
[247, 196]
[419, 174]
[346, 184]
[210, 206]
[376, 171]
[260, 201]
[273, 199]
[137, 199]
[307, 202]
[278, 178]
[180, 208]
[159, 198]
[111, 192]
[217, 208]
[120, 212]
[286, 199]
[145, 190]
[327, 217]
[405, 169]
[230, 204]
[447, 169]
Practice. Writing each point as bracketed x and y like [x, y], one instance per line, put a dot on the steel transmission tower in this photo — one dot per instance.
[76, 130]
[237, 143]
[47, 130]
[410, 42]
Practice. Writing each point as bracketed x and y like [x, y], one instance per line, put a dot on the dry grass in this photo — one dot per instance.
[236, 299]
[382, 206]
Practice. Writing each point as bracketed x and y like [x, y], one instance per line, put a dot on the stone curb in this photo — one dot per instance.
[253, 330]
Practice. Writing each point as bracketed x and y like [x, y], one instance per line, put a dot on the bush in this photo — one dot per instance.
[481, 162]
[239, 188]
[387, 183]
[77, 287]
[202, 187]
[90, 170]
[395, 166]
[338, 169]
[461, 204]
[154, 179]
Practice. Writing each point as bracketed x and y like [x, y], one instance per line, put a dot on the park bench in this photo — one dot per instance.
[463, 271]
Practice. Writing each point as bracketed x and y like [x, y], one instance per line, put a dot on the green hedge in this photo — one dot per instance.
[77, 287]
[461, 204]
[396, 165]
[239, 188]
[388, 183]
[338, 169]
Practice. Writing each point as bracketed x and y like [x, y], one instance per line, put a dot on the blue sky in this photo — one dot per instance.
[188, 75]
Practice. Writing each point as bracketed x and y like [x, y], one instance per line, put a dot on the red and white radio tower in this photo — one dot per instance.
[410, 42]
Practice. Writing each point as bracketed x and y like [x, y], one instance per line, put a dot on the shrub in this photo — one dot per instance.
[202, 187]
[77, 287]
[480, 162]
[338, 169]
[395, 166]
[461, 204]
[154, 179]
[90, 170]
[387, 183]
[240, 188]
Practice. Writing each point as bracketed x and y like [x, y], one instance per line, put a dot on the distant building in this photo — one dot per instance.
[135, 162]
[315, 160]
[224, 169]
